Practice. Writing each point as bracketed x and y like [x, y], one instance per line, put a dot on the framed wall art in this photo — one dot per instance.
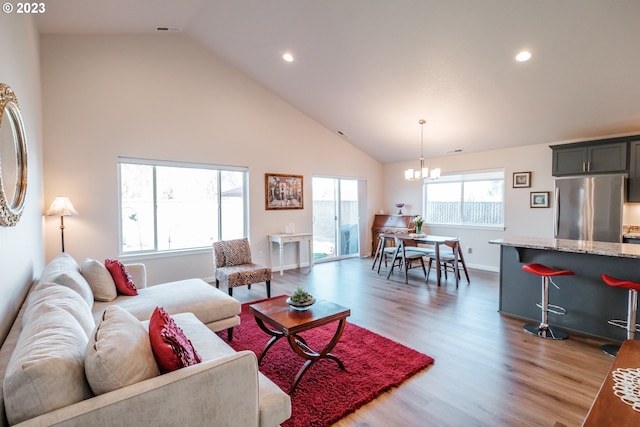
[539, 199]
[283, 191]
[521, 179]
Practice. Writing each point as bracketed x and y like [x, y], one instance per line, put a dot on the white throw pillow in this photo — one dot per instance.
[100, 280]
[119, 352]
[53, 294]
[46, 369]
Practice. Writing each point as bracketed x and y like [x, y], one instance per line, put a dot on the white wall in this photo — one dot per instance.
[21, 252]
[165, 97]
[520, 219]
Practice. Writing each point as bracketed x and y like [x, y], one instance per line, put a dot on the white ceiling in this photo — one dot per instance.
[372, 68]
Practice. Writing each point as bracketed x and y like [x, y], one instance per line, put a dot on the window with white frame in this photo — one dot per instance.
[466, 198]
[166, 206]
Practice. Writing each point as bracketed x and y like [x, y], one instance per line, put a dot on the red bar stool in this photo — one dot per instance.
[543, 330]
[632, 307]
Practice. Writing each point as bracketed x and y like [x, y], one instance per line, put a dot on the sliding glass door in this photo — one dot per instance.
[335, 218]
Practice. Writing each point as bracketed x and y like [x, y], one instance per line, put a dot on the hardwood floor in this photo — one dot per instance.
[487, 371]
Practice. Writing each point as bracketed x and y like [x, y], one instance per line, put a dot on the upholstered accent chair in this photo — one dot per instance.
[233, 266]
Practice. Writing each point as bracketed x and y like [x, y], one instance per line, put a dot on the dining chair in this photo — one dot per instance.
[451, 260]
[386, 250]
[406, 255]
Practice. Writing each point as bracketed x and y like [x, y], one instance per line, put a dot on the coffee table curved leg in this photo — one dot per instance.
[301, 349]
[275, 336]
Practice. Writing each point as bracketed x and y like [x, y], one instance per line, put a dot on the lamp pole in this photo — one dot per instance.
[62, 230]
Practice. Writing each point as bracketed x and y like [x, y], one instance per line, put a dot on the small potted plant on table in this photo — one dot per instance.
[300, 300]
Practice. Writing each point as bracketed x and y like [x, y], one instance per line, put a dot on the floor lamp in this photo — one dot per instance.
[61, 206]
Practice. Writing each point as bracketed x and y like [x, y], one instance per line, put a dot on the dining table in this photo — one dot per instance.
[436, 241]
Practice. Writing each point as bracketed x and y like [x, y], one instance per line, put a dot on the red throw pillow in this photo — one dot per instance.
[122, 279]
[171, 348]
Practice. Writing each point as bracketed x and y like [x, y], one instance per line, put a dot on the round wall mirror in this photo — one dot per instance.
[13, 158]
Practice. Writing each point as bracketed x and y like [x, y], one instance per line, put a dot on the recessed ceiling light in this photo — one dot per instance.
[523, 56]
[287, 57]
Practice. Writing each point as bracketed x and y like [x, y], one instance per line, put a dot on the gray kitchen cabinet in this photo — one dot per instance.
[633, 183]
[589, 158]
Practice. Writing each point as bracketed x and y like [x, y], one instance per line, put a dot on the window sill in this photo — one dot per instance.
[141, 256]
[468, 226]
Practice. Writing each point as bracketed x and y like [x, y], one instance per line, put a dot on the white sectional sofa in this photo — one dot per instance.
[42, 360]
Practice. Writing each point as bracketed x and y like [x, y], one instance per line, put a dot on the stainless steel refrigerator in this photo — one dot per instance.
[589, 208]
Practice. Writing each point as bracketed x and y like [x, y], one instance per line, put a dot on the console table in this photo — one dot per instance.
[284, 238]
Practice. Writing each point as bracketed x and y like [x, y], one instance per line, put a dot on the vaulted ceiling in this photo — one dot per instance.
[370, 69]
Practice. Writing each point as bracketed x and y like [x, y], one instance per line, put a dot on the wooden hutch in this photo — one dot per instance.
[391, 224]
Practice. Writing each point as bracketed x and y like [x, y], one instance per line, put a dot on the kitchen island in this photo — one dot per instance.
[589, 302]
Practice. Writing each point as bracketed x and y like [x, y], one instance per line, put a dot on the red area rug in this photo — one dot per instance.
[325, 394]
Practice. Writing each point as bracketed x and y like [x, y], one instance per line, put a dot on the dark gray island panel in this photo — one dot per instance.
[589, 302]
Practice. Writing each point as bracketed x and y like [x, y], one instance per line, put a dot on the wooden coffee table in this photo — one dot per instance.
[285, 322]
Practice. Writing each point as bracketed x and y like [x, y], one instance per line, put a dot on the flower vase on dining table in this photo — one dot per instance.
[418, 221]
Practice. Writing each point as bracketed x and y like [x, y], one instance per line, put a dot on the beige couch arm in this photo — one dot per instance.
[218, 392]
[138, 273]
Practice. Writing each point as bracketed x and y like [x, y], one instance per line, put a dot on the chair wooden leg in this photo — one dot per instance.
[393, 263]
[406, 271]
[464, 266]
[268, 288]
[426, 279]
[230, 334]
[249, 286]
[230, 291]
[377, 256]
[217, 284]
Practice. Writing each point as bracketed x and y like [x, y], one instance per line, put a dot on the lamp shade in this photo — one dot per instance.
[61, 206]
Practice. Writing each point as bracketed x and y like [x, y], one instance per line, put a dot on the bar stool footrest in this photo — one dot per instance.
[552, 308]
[619, 323]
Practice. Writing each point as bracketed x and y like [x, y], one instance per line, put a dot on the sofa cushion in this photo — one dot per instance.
[119, 352]
[99, 279]
[122, 279]
[192, 295]
[64, 270]
[171, 348]
[53, 294]
[60, 264]
[46, 369]
[236, 252]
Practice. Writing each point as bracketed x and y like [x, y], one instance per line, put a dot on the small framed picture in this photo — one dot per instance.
[539, 199]
[283, 191]
[521, 179]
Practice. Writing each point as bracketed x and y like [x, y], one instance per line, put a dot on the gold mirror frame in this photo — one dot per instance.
[11, 210]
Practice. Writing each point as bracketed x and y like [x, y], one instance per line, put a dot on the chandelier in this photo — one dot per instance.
[422, 172]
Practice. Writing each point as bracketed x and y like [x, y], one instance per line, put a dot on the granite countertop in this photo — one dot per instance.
[621, 250]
